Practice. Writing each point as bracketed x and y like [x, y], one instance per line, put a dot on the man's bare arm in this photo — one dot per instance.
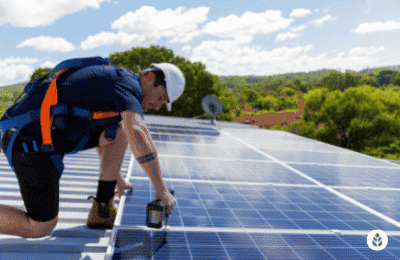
[139, 138]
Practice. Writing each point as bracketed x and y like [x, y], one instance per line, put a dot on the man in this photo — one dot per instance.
[96, 88]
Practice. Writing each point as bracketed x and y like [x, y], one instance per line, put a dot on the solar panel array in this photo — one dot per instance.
[247, 193]
[242, 193]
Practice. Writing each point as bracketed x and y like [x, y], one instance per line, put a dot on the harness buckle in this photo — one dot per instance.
[47, 148]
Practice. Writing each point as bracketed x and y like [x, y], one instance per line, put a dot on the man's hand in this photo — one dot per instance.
[122, 186]
[167, 196]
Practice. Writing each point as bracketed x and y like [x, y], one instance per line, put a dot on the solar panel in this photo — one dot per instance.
[247, 193]
[242, 193]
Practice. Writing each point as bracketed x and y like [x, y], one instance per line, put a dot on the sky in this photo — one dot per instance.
[231, 38]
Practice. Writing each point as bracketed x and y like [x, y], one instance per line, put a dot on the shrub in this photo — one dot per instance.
[313, 101]
[251, 95]
[363, 113]
[288, 92]
[305, 129]
[385, 76]
[267, 103]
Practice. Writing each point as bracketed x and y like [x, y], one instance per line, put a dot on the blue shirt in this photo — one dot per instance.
[96, 88]
[102, 88]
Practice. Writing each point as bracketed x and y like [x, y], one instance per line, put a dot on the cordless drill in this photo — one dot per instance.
[157, 213]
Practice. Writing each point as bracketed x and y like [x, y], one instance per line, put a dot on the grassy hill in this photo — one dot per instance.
[11, 88]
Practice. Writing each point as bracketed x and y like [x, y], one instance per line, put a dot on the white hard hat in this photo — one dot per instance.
[174, 80]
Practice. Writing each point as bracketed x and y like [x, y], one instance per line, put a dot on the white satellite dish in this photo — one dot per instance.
[212, 106]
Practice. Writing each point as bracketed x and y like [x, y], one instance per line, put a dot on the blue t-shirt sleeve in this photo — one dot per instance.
[126, 92]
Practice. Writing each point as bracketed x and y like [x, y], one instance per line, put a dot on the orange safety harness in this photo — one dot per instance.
[46, 121]
[50, 110]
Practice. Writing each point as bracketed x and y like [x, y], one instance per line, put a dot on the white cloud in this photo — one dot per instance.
[377, 27]
[16, 72]
[186, 48]
[47, 43]
[152, 23]
[16, 69]
[48, 64]
[245, 27]
[284, 36]
[316, 11]
[300, 12]
[326, 18]
[366, 50]
[187, 38]
[147, 25]
[34, 13]
[110, 38]
[299, 28]
[229, 57]
[12, 60]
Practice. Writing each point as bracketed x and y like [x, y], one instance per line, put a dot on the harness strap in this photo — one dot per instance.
[46, 121]
[102, 115]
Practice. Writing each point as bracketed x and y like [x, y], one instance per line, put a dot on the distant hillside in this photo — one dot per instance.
[11, 88]
[396, 67]
[244, 79]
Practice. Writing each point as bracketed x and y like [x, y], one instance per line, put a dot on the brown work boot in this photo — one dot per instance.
[102, 214]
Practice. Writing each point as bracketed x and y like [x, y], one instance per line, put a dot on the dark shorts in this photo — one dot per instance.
[39, 179]
[39, 184]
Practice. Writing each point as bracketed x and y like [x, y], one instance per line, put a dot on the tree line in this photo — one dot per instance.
[360, 107]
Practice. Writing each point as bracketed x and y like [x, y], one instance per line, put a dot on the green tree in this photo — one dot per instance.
[297, 83]
[302, 128]
[199, 82]
[392, 151]
[363, 113]
[334, 81]
[41, 72]
[285, 102]
[396, 80]
[251, 95]
[290, 92]
[140, 58]
[266, 103]
[303, 89]
[300, 86]
[351, 79]
[314, 101]
[385, 76]
[369, 80]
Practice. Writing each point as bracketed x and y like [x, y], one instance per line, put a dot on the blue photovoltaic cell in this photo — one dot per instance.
[352, 176]
[191, 154]
[182, 138]
[250, 206]
[217, 170]
[184, 130]
[207, 151]
[139, 244]
[280, 140]
[385, 202]
[166, 128]
[325, 158]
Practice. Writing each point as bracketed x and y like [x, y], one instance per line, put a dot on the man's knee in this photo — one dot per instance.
[42, 229]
